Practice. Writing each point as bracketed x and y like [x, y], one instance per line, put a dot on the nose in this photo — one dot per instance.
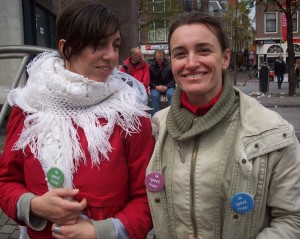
[110, 53]
[192, 61]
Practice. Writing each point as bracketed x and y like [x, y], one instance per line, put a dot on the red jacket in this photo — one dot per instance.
[116, 189]
[141, 72]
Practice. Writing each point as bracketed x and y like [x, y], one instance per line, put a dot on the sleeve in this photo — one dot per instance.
[284, 196]
[12, 182]
[34, 222]
[136, 216]
[171, 83]
[122, 69]
[146, 79]
[151, 84]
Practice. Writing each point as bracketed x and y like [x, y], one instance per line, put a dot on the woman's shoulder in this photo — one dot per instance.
[16, 117]
[255, 118]
[158, 120]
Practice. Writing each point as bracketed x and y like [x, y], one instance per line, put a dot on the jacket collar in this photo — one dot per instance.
[182, 124]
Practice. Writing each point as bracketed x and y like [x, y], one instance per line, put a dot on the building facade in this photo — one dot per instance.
[24, 22]
[270, 38]
[157, 15]
[32, 22]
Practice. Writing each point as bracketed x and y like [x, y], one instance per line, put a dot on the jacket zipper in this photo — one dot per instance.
[192, 180]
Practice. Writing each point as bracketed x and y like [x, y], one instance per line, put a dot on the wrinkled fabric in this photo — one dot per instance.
[250, 149]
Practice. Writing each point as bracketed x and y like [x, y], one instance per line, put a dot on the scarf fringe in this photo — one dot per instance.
[50, 126]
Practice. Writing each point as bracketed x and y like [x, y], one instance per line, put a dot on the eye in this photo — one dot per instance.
[179, 54]
[116, 46]
[101, 44]
[204, 51]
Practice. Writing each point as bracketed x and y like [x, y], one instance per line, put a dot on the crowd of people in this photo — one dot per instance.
[84, 159]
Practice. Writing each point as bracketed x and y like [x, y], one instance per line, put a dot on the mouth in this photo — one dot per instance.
[195, 75]
[104, 68]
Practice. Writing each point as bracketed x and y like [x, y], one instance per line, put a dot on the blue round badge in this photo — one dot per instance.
[242, 203]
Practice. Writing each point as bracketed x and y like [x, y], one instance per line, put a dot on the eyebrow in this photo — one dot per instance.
[204, 44]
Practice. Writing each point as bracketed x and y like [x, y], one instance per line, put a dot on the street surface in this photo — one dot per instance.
[278, 100]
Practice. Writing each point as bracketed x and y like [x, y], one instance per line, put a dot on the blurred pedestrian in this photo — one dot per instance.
[297, 73]
[279, 70]
[135, 66]
[223, 165]
[78, 139]
[161, 80]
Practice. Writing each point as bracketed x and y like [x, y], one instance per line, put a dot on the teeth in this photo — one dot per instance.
[104, 68]
[195, 76]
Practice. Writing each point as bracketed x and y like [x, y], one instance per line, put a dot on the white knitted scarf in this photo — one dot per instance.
[56, 102]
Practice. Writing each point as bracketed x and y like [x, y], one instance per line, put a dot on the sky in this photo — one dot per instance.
[251, 15]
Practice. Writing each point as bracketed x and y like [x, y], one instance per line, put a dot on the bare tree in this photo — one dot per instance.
[238, 15]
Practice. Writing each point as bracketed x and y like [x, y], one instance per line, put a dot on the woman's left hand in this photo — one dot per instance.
[81, 229]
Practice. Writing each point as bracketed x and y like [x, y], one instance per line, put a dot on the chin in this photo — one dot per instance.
[193, 89]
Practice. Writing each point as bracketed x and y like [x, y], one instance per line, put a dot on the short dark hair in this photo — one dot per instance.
[85, 23]
[213, 23]
[159, 50]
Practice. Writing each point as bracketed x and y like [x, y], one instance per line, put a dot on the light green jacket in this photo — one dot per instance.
[255, 151]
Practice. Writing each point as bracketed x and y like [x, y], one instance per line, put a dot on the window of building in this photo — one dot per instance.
[275, 49]
[159, 5]
[295, 22]
[190, 5]
[271, 22]
[296, 48]
[39, 25]
[158, 31]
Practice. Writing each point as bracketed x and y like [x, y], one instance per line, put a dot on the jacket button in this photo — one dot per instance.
[235, 216]
[244, 161]
[256, 146]
[157, 200]
[284, 135]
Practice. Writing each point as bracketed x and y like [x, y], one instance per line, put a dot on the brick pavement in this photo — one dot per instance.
[8, 228]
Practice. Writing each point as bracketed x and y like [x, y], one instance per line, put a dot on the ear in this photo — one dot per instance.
[226, 59]
[61, 44]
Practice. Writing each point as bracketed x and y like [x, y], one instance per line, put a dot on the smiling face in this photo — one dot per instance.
[96, 64]
[198, 62]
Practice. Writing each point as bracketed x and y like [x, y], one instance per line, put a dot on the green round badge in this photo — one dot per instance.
[55, 177]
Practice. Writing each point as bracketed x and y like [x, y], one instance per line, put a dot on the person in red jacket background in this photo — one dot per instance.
[135, 66]
[79, 139]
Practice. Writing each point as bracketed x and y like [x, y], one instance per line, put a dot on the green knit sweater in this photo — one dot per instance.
[183, 125]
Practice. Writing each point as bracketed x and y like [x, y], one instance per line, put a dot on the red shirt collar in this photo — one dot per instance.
[199, 110]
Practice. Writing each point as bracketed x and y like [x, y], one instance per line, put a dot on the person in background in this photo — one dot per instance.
[279, 70]
[161, 80]
[223, 165]
[78, 139]
[135, 66]
[297, 72]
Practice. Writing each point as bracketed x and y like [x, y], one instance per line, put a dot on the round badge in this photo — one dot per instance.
[155, 181]
[55, 177]
[242, 203]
